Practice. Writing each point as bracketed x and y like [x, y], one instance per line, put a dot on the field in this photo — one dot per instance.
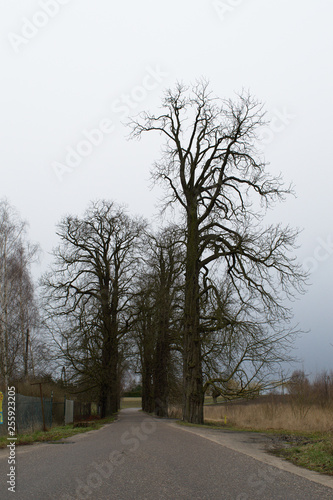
[130, 403]
[273, 415]
[268, 413]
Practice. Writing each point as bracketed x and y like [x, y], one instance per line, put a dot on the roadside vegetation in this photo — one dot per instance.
[314, 452]
[56, 433]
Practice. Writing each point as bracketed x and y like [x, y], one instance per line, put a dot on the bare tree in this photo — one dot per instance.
[322, 388]
[88, 294]
[158, 305]
[168, 268]
[299, 388]
[18, 309]
[22, 300]
[215, 175]
[144, 334]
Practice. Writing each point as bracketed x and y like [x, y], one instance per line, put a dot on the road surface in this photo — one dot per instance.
[140, 457]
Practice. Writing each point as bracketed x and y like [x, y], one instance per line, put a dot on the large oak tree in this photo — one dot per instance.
[215, 175]
[88, 292]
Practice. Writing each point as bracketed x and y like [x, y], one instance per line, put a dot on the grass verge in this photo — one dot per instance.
[56, 433]
[208, 425]
[312, 452]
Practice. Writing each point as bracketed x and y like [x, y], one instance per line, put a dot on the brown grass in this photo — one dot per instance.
[273, 416]
[130, 403]
[261, 416]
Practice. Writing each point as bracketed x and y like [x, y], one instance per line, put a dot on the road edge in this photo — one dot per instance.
[257, 453]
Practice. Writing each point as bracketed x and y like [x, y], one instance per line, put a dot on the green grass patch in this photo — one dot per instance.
[207, 425]
[56, 433]
[314, 454]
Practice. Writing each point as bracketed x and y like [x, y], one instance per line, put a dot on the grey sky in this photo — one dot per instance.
[70, 67]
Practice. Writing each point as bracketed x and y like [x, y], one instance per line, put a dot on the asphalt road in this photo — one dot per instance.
[140, 457]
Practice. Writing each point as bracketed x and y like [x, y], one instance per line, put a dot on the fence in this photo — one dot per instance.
[29, 415]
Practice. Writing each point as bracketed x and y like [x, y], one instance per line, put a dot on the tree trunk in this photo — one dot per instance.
[110, 355]
[193, 380]
[162, 352]
[161, 389]
[147, 376]
[147, 389]
[109, 387]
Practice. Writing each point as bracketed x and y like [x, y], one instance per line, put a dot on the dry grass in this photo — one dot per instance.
[263, 416]
[130, 403]
[273, 416]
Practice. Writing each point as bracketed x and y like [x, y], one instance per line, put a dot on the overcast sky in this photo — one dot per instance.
[71, 67]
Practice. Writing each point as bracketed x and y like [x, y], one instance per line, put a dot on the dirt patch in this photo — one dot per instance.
[289, 440]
